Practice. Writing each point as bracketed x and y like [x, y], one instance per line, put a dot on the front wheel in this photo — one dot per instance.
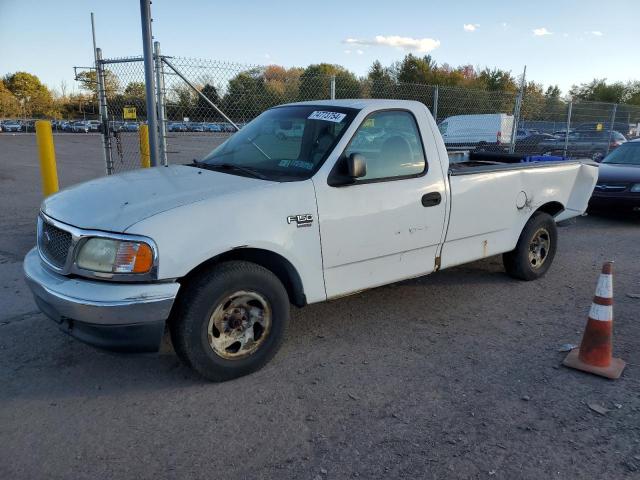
[230, 321]
[535, 249]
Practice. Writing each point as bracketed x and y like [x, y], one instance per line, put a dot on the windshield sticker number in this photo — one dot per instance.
[327, 116]
[296, 163]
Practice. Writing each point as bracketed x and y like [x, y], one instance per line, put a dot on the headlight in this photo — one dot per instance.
[635, 188]
[107, 255]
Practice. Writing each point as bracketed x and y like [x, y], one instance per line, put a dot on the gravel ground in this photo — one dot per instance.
[454, 375]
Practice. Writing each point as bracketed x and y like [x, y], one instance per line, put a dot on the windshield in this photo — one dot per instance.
[627, 154]
[282, 144]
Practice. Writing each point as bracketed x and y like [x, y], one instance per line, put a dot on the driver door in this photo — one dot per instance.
[387, 225]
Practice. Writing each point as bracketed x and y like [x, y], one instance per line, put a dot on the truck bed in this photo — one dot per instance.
[466, 163]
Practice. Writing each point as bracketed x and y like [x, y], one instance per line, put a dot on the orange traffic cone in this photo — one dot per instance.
[595, 352]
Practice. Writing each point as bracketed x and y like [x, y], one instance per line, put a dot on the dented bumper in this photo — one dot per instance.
[116, 316]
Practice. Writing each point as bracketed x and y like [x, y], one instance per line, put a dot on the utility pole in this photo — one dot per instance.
[147, 50]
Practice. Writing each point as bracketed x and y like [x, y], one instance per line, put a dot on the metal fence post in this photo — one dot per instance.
[145, 17]
[436, 92]
[104, 114]
[516, 112]
[333, 87]
[613, 119]
[566, 133]
[162, 125]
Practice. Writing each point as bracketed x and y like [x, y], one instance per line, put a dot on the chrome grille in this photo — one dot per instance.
[611, 187]
[54, 244]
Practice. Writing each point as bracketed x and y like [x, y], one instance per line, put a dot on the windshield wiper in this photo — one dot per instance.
[229, 166]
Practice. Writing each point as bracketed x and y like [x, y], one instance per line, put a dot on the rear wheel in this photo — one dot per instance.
[230, 321]
[535, 250]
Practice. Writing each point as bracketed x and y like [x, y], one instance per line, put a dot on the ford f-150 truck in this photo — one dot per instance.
[217, 250]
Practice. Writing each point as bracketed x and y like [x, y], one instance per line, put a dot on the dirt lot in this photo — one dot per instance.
[455, 375]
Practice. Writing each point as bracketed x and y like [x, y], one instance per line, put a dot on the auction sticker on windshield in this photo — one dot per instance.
[327, 116]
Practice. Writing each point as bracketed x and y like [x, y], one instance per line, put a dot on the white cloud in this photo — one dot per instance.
[405, 43]
[504, 24]
[470, 27]
[542, 31]
[597, 33]
[348, 52]
[359, 52]
[267, 56]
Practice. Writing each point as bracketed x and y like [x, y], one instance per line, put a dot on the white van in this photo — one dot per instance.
[472, 130]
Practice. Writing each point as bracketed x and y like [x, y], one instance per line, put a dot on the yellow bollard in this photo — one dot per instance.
[47, 153]
[145, 151]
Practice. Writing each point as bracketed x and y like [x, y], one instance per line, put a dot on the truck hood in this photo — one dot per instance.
[611, 172]
[116, 202]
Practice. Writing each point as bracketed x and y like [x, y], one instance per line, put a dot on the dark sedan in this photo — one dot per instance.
[618, 186]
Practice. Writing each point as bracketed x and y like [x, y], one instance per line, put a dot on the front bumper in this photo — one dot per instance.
[116, 316]
[615, 200]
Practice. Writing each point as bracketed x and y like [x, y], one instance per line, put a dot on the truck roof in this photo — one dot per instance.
[361, 103]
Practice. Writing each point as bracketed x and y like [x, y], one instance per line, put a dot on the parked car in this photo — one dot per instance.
[463, 131]
[95, 125]
[219, 249]
[522, 133]
[176, 127]
[80, 127]
[618, 186]
[212, 127]
[530, 145]
[622, 127]
[594, 144]
[12, 126]
[130, 127]
[196, 127]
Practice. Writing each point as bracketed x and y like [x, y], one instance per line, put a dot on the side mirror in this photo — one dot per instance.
[356, 165]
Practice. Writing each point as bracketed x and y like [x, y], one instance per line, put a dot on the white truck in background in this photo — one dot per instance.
[468, 131]
[217, 250]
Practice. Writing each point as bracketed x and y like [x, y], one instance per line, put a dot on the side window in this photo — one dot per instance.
[391, 145]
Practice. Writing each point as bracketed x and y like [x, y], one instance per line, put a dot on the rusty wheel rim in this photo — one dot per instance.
[539, 248]
[239, 325]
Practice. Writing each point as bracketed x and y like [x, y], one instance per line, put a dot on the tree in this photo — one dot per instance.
[135, 89]
[34, 96]
[246, 95]
[599, 91]
[9, 104]
[413, 69]
[315, 82]
[88, 81]
[381, 82]
[204, 110]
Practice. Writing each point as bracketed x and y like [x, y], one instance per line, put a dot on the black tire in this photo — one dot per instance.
[203, 294]
[518, 263]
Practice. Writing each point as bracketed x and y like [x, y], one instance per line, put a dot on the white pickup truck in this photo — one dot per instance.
[217, 250]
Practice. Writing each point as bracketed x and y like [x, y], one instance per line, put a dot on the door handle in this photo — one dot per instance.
[431, 199]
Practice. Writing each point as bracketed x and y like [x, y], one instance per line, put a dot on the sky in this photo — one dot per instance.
[561, 42]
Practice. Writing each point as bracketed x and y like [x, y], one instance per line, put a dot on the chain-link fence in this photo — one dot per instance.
[202, 102]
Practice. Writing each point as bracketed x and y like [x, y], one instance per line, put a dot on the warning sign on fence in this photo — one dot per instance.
[129, 113]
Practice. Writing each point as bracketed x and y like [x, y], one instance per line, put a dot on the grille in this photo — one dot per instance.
[611, 187]
[54, 244]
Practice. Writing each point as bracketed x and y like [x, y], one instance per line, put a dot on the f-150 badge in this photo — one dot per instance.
[300, 220]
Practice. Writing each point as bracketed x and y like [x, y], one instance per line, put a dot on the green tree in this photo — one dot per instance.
[599, 91]
[315, 82]
[9, 104]
[34, 96]
[135, 89]
[381, 82]
[204, 111]
[88, 81]
[246, 95]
